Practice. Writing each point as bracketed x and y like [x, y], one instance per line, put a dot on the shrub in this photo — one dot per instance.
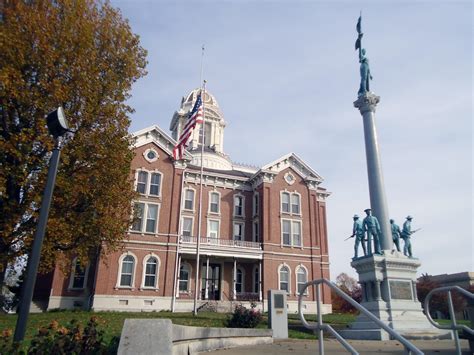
[244, 318]
[57, 339]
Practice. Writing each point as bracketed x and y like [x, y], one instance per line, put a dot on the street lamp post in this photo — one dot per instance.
[57, 126]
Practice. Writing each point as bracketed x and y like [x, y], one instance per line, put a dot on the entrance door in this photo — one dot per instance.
[213, 282]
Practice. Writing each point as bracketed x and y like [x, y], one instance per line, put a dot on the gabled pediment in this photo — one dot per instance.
[156, 135]
[294, 162]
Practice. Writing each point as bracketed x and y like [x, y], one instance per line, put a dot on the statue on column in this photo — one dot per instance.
[359, 234]
[372, 228]
[406, 236]
[396, 233]
[365, 75]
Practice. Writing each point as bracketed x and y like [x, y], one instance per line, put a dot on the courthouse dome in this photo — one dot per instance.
[211, 107]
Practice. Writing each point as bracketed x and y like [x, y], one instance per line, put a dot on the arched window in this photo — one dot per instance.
[285, 279]
[189, 199]
[239, 281]
[301, 279]
[127, 271]
[184, 273]
[214, 202]
[151, 271]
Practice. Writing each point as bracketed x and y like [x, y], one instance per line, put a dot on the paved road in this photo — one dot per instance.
[331, 346]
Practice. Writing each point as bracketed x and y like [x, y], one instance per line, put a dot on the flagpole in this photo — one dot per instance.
[198, 244]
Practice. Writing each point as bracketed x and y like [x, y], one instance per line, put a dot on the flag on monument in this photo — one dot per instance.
[194, 117]
[358, 27]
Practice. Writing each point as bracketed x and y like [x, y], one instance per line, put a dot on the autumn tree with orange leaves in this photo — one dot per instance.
[80, 54]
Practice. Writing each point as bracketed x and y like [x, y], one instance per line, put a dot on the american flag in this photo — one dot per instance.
[195, 117]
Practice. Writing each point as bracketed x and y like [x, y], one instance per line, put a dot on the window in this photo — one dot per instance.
[155, 184]
[301, 279]
[151, 217]
[78, 275]
[126, 274]
[291, 232]
[187, 227]
[295, 203]
[284, 279]
[151, 269]
[214, 202]
[256, 232]
[291, 203]
[142, 181]
[239, 281]
[285, 202]
[213, 230]
[238, 231]
[255, 203]
[286, 232]
[184, 272]
[207, 136]
[138, 208]
[238, 205]
[189, 199]
[296, 229]
[256, 279]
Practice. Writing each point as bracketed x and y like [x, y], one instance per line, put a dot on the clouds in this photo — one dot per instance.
[285, 75]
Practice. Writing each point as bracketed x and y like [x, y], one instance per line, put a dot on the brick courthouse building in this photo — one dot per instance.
[262, 228]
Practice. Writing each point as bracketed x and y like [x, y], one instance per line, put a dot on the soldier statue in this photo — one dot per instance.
[396, 233]
[358, 233]
[365, 75]
[406, 236]
[372, 228]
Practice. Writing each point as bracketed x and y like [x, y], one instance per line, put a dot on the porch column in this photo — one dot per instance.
[207, 278]
[234, 273]
[178, 278]
[260, 281]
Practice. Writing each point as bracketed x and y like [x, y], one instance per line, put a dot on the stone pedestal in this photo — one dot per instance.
[389, 292]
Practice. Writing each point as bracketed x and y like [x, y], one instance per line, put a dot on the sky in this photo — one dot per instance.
[285, 74]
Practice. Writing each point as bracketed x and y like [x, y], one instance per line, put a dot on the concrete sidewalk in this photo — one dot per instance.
[332, 346]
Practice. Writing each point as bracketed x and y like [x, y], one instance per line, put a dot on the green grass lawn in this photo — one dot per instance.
[112, 322]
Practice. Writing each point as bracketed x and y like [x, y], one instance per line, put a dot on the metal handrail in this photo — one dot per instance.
[320, 327]
[453, 326]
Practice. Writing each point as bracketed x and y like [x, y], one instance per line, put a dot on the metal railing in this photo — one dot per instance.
[453, 326]
[221, 242]
[320, 327]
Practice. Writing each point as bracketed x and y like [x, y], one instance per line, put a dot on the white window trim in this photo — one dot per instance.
[218, 229]
[242, 270]
[145, 219]
[289, 276]
[291, 204]
[281, 201]
[148, 182]
[255, 237]
[192, 224]
[255, 209]
[243, 205]
[145, 155]
[184, 199]
[291, 233]
[158, 265]
[218, 203]
[242, 237]
[301, 266]
[73, 273]
[190, 272]
[119, 274]
[290, 193]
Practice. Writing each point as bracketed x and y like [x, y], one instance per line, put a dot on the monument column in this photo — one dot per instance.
[366, 103]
